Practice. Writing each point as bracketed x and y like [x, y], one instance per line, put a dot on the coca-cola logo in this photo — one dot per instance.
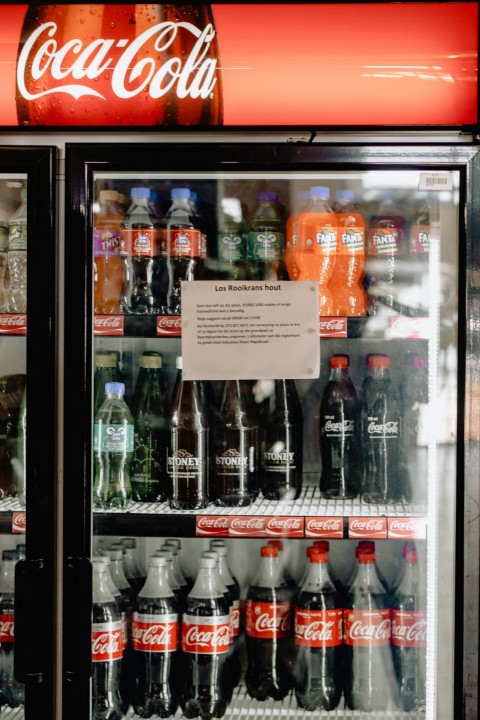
[409, 628]
[7, 628]
[13, 324]
[407, 527]
[246, 525]
[108, 325]
[19, 522]
[409, 327]
[107, 645]
[383, 429]
[345, 427]
[268, 620]
[191, 76]
[206, 639]
[272, 624]
[216, 525]
[368, 527]
[169, 326]
[324, 527]
[285, 526]
[316, 632]
[333, 327]
[154, 637]
[364, 627]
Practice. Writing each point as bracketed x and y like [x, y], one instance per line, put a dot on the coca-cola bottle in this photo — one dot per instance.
[163, 66]
[409, 635]
[235, 448]
[413, 395]
[124, 598]
[107, 649]
[318, 638]
[366, 546]
[181, 251]
[369, 676]
[12, 691]
[381, 435]
[268, 631]
[323, 546]
[187, 461]
[283, 563]
[177, 569]
[172, 578]
[339, 446]
[177, 544]
[155, 641]
[205, 643]
[134, 572]
[281, 463]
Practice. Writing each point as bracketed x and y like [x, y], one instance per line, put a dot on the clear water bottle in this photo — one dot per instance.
[113, 450]
[17, 258]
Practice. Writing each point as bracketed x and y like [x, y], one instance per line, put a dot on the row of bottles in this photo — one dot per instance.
[13, 258]
[12, 693]
[141, 257]
[190, 643]
[13, 426]
[191, 449]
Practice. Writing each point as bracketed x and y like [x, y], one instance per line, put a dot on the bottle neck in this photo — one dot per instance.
[367, 577]
[101, 592]
[156, 584]
[380, 374]
[206, 585]
[338, 373]
[270, 573]
[318, 577]
[7, 577]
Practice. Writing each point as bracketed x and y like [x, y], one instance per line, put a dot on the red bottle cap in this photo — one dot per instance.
[411, 556]
[366, 556]
[339, 361]
[269, 551]
[322, 544]
[318, 556]
[365, 546]
[275, 544]
[379, 361]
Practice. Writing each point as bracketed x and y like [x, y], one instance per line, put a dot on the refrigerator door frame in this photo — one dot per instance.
[36, 610]
[82, 161]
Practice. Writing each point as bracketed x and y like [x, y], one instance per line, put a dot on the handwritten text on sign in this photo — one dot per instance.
[250, 330]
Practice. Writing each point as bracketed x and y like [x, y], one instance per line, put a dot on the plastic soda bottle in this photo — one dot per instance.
[291, 241]
[349, 296]
[139, 248]
[113, 450]
[232, 239]
[106, 370]
[419, 246]
[17, 258]
[317, 245]
[3, 260]
[266, 240]
[108, 274]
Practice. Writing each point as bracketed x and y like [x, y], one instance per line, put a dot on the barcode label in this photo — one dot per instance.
[435, 181]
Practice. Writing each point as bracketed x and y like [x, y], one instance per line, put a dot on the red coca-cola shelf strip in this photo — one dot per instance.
[111, 325]
[333, 327]
[324, 527]
[13, 324]
[374, 528]
[169, 326]
[19, 522]
[407, 528]
[250, 526]
[412, 328]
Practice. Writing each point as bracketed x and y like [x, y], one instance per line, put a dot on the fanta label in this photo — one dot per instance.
[351, 241]
[420, 240]
[385, 242]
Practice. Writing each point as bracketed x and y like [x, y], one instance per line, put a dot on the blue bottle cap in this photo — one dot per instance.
[320, 191]
[180, 193]
[140, 192]
[115, 387]
[345, 194]
[266, 196]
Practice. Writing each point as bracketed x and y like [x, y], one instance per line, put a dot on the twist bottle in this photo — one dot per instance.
[266, 240]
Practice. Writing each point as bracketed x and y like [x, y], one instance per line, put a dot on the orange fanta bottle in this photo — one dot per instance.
[291, 234]
[349, 296]
[317, 245]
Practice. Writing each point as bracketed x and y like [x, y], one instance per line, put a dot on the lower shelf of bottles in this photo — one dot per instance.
[244, 706]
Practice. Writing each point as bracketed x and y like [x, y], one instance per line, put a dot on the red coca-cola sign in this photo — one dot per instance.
[13, 324]
[169, 326]
[333, 327]
[19, 522]
[155, 633]
[107, 641]
[407, 528]
[318, 628]
[191, 65]
[268, 621]
[206, 635]
[291, 527]
[410, 327]
[108, 325]
[247, 526]
[212, 525]
[7, 628]
[367, 628]
[409, 628]
[374, 528]
[324, 527]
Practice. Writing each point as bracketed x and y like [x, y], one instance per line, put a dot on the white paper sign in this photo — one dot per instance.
[246, 330]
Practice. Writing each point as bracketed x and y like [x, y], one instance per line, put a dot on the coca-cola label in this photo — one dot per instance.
[268, 620]
[108, 325]
[181, 243]
[374, 528]
[324, 527]
[19, 522]
[7, 628]
[351, 241]
[318, 628]
[113, 438]
[333, 327]
[168, 326]
[212, 525]
[247, 526]
[155, 633]
[386, 242]
[107, 641]
[409, 628]
[235, 617]
[206, 635]
[106, 243]
[285, 527]
[13, 324]
[407, 528]
[378, 429]
[410, 327]
[367, 628]
[334, 428]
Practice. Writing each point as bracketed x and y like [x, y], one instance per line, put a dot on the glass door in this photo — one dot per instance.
[354, 468]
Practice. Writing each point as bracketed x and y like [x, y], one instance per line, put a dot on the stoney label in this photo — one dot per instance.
[268, 621]
[108, 325]
[367, 528]
[206, 635]
[212, 525]
[107, 641]
[318, 628]
[324, 527]
[155, 633]
[7, 628]
[367, 628]
[409, 628]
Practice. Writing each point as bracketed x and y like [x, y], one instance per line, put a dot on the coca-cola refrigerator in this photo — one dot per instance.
[261, 342]
[28, 329]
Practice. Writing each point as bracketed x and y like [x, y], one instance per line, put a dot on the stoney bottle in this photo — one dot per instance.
[409, 635]
[339, 449]
[187, 462]
[235, 440]
[162, 69]
[281, 464]
[318, 638]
